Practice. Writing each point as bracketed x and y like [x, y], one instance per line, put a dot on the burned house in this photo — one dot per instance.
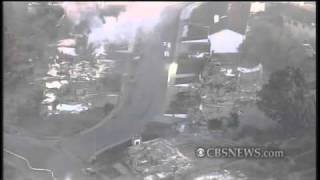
[74, 85]
[157, 159]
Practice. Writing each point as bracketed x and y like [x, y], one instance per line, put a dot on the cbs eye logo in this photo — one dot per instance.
[200, 152]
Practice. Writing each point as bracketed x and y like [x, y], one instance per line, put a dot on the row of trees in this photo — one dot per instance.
[284, 97]
[270, 43]
[28, 31]
[306, 16]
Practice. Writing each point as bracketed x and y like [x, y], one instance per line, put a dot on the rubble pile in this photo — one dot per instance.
[249, 82]
[157, 159]
[218, 90]
[225, 87]
[73, 85]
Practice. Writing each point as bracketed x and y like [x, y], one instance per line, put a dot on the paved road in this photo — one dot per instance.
[145, 101]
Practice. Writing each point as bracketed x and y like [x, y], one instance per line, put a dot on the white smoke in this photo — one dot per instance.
[144, 15]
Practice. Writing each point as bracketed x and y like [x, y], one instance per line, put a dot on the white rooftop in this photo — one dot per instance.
[225, 41]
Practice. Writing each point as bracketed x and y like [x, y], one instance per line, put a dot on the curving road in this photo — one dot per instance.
[145, 101]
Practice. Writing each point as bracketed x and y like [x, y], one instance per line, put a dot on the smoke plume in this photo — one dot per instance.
[144, 15]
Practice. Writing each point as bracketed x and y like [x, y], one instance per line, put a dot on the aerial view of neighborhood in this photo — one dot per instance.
[120, 90]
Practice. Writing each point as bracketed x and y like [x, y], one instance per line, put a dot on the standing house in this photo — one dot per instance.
[193, 47]
[225, 43]
[216, 28]
[228, 31]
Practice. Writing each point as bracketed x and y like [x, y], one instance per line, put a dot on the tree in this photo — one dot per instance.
[270, 43]
[28, 31]
[283, 99]
[183, 101]
[297, 13]
[33, 29]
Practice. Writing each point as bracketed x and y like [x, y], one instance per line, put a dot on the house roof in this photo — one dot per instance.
[225, 41]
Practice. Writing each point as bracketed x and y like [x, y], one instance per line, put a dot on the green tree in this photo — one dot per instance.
[306, 16]
[28, 31]
[269, 42]
[284, 99]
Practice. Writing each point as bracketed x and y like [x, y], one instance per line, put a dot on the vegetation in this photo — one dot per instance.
[296, 13]
[184, 101]
[272, 45]
[28, 31]
[284, 99]
[286, 96]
